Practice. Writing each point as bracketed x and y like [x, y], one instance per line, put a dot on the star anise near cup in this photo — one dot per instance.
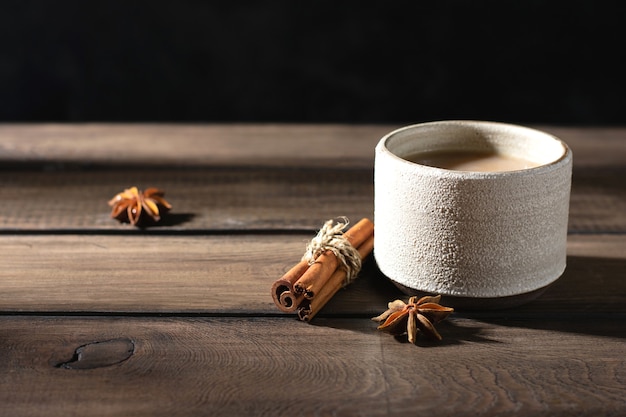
[415, 317]
[139, 207]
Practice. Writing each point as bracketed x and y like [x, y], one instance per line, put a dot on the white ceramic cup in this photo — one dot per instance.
[477, 236]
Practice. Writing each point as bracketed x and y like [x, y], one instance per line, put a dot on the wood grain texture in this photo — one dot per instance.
[152, 274]
[102, 319]
[598, 200]
[55, 145]
[274, 366]
[228, 274]
[285, 145]
[202, 199]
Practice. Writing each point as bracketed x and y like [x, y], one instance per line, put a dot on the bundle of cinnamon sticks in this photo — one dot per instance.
[306, 288]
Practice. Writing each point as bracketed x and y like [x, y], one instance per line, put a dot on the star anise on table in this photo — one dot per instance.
[415, 317]
[137, 207]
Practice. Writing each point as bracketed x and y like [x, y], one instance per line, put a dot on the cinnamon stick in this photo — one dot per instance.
[283, 293]
[336, 281]
[316, 276]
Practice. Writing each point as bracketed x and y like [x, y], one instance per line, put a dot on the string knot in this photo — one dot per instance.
[331, 238]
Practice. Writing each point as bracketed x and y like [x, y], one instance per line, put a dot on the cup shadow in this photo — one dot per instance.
[589, 298]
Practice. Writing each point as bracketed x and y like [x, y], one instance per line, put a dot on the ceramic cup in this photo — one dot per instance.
[490, 238]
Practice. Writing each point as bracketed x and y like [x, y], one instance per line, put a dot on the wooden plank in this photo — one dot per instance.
[54, 145]
[593, 146]
[57, 145]
[248, 198]
[151, 274]
[598, 200]
[143, 273]
[594, 282]
[270, 366]
[202, 199]
[230, 275]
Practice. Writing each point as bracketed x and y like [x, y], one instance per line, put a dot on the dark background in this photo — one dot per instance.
[316, 61]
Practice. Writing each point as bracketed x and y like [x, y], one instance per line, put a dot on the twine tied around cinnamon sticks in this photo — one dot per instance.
[331, 238]
[332, 260]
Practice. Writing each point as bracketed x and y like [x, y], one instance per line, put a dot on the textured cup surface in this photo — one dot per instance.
[471, 234]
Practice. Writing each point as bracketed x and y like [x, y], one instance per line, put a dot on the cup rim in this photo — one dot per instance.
[483, 126]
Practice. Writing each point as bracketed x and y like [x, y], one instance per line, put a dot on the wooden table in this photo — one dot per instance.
[100, 318]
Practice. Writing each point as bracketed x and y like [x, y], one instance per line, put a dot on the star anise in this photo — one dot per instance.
[417, 315]
[137, 207]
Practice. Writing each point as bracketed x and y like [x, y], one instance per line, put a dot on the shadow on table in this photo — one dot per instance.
[589, 298]
[170, 220]
[176, 219]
